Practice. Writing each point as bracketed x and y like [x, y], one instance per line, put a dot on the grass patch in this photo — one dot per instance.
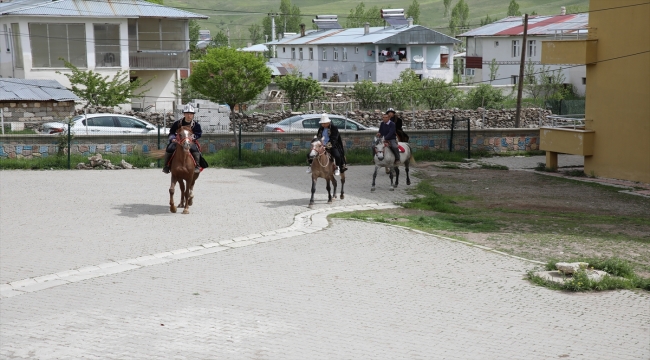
[493, 166]
[621, 276]
[575, 173]
[60, 162]
[8, 131]
[428, 199]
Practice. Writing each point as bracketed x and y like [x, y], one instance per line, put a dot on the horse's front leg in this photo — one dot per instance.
[335, 184]
[181, 184]
[313, 190]
[406, 168]
[392, 173]
[172, 208]
[374, 176]
[329, 193]
[396, 176]
[190, 200]
[342, 185]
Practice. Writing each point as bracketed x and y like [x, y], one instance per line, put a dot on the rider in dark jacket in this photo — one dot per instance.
[401, 135]
[186, 120]
[333, 143]
[387, 129]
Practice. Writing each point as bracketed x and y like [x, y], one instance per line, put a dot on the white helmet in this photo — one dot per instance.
[188, 109]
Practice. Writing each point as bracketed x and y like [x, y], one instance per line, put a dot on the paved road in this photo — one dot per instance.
[530, 162]
[286, 288]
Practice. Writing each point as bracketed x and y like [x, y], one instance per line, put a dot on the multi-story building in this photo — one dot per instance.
[148, 40]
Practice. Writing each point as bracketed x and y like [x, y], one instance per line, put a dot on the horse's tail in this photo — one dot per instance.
[411, 159]
[157, 154]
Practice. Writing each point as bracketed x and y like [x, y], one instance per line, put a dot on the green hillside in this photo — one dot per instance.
[239, 15]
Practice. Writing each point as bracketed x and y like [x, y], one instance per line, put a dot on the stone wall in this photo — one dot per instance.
[35, 113]
[491, 140]
[420, 120]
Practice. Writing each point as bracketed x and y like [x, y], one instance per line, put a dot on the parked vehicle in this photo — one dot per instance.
[309, 122]
[104, 124]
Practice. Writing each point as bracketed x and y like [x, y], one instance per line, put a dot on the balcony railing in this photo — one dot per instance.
[159, 60]
[575, 121]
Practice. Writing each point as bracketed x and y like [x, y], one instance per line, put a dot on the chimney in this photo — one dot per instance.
[410, 21]
[302, 30]
[562, 10]
[366, 28]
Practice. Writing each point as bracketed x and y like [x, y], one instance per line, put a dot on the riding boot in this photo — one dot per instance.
[197, 157]
[396, 153]
[168, 157]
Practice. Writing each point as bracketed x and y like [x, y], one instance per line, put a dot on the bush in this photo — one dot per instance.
[485, 96]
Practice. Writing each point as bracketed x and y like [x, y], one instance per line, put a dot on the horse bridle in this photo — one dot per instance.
[320, 150]
[184, 139]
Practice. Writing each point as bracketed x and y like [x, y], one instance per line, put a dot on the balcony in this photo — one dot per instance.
[159, 60]
[565, 135]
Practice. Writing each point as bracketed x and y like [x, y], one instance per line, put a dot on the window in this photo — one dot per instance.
[17, 46]
[311, 123]
[514, 79]
[515, 48]
[311, 53]
[293, 53]
[324, 76]
[311, 75]
[300, 54]
[532, 48]
[469, 72]
[496, 43]
[156, 34]
[336, 54]
[356, 50]
[584, 81]
[284, 50]
[345, 54]
[126, 122]
[7, 45]
[342, 123]
[103, 121]
[369, 74]
[50, 42]
[324, 54]
[356, 77]
[107, 45]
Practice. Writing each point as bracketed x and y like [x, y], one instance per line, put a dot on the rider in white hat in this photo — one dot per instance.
[329, 133]
[186, 120]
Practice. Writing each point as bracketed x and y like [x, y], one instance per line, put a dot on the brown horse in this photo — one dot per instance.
[182, 169]
[323, 166]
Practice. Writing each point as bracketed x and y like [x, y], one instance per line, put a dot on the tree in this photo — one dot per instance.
[219, 40]
[459, 17]
[513, 9]
[406, 90]
[228, 76]
[414, 12]
[494, 69]
[97, 90]
[194, 39]
[255, 31]
[487, 20]
[437, 93]
[544, 84]
[289, 20]
[485, 96]
[447, 4]
[359, 16]
[299, 90]
[366, 93]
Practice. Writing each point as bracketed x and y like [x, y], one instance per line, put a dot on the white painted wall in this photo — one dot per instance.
[161, 88]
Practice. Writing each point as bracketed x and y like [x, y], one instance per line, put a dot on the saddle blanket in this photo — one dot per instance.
[401, 148]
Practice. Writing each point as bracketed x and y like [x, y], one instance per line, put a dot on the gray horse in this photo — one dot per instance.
[384, 157]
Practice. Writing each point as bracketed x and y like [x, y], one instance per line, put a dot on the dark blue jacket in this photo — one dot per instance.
[196, 129]
[387, 130]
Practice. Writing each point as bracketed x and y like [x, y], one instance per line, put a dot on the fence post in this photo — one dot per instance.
[239, 141]
[468, 141]
[69, 141]
[451, 136]
[158, 161]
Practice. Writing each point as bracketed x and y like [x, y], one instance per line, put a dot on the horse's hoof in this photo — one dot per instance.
[186, 212]
[392, 189]
[372, 189]
[342, 196]
[172, 209]
[408, 183]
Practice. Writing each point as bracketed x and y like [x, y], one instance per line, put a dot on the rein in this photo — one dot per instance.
[321, 150]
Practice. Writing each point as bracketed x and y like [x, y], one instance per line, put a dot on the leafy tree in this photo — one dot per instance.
[459, 17]
[366, 93]
[255, 31]
[299, 90]
[289, 20]
[97, 90]
[184, 91]
[359, 16]
[487, 20]
[543, 84]
[437, 93]
[485, 96]
[447, 4]
[533, 13]
[414, 11]
[219, 40]
[405, 90]
[513, 9]
[228, 76]
[194, 39]
[494, 69]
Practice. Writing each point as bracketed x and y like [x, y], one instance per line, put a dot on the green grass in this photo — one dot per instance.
[61, 162]
[493, 166]
[428, 199]
[8, 131]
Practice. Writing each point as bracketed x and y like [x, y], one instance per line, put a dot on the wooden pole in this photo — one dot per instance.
[520, 80]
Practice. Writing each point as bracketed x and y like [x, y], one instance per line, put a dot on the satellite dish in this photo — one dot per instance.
[418, 58]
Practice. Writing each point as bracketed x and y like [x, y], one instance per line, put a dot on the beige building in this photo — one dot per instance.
[615, 139]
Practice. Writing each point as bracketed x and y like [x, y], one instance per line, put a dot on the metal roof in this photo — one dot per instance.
[377, 35]
[35, 90]
[537, 25]
[95, 8]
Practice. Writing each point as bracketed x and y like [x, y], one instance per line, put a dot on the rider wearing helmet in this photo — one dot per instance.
[186, 120]
[401, 135]
[329, 133]
[387, 130]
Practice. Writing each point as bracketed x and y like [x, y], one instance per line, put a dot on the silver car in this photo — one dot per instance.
[104, 124]
[309, 122]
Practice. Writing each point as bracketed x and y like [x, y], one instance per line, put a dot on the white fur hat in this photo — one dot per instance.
[324, 119]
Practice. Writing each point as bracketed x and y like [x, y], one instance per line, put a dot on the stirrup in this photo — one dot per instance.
[197, 170]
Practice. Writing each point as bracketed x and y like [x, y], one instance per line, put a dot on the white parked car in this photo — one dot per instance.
[309, 122]
[104, 124]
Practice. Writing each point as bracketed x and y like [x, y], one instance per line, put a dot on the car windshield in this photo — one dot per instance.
[289, 121]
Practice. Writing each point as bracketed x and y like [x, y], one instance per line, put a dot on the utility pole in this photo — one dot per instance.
[273, 33]
[520, 80]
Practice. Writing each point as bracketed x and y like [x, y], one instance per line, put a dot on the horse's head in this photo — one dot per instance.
[185, 136]
[379, 148]
[316, 148]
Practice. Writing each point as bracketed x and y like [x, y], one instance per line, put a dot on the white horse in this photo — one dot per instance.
[384, 157]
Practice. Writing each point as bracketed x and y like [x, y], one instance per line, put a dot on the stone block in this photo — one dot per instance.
[570, 268]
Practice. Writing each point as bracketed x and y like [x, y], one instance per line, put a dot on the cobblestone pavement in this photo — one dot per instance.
[350, 291]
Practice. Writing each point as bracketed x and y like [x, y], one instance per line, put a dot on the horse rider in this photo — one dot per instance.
[387, 130]
[401, 135]
[329, 133]
[186, 120]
